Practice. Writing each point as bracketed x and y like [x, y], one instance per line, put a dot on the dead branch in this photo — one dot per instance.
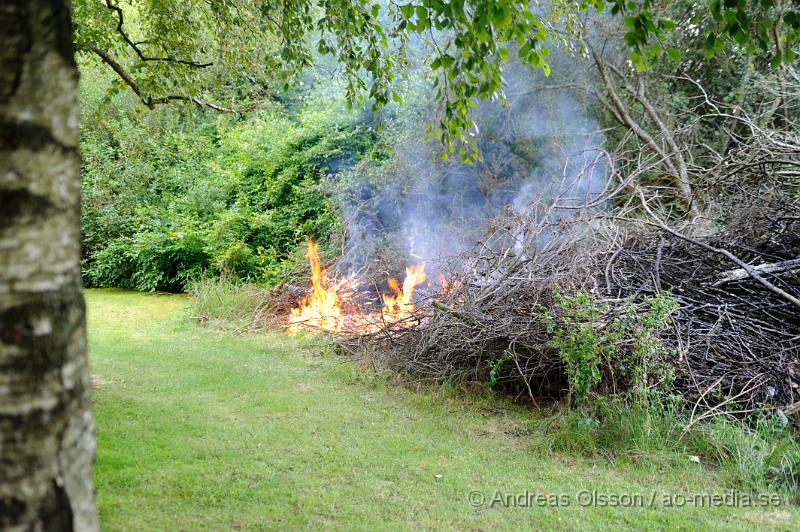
[777, 267]
[792, 409]
[751, 271]
[671, 154]
[736, 343]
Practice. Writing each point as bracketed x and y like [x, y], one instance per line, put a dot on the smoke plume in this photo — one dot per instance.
[541, 144]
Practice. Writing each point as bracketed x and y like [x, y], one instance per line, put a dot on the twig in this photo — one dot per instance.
[730, 256]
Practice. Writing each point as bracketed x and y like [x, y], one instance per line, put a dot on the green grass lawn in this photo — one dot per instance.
[203, 429]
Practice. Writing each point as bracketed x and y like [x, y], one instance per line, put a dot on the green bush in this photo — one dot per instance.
[149, 261]
[171, 194]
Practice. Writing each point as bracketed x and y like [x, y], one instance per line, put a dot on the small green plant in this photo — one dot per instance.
[494, 369]
[616, 347]
[638, 357]
[574, 326]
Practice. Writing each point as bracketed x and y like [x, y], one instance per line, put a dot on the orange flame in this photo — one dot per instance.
[447, 286]
[401, 303]
[329, 305]
[321, 308]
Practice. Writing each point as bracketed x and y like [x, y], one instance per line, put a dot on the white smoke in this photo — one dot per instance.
[542, 144]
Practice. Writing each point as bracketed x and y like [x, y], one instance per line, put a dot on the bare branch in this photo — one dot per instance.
[121, 72]
[152, 102]
[777, 267]
[751, 271]
[668, 156]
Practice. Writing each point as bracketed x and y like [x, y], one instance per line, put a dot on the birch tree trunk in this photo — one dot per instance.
[46, 428]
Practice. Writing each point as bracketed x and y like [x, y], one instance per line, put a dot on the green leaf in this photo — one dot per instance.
[655, 49]
[629, 23]
[501, 16]
[710, 43]
[407, 10]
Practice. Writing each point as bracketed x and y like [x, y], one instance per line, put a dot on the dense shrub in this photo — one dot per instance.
[169, 195]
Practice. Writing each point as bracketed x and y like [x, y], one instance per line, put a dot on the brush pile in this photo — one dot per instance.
[484, 312]
[738, 342]
[734, 343]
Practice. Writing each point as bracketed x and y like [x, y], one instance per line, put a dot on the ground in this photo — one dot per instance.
[204, 429]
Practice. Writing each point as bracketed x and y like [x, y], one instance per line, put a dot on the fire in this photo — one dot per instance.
[328, 306]
[401, 303]
[446, 286]
[321, 308]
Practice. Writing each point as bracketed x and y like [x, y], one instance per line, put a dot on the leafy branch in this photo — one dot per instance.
[149, 101]
[120, 21]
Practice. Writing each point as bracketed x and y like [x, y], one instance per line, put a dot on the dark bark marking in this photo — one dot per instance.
[56, 513]
[41, 352]
[11, 509]
[20, 206]
[28, 135]
[60, 20]
[15, 26]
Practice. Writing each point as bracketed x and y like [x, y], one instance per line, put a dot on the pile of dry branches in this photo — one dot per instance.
[732, 264]
[736, 342]
[483, 316]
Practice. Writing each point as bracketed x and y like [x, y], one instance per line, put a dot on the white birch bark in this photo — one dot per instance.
[46, 429]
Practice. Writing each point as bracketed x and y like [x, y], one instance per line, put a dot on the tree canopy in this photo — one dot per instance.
[239, 51]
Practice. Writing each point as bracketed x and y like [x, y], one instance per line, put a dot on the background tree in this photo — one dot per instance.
[46, 430]
[166, 56]
[668, 130]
